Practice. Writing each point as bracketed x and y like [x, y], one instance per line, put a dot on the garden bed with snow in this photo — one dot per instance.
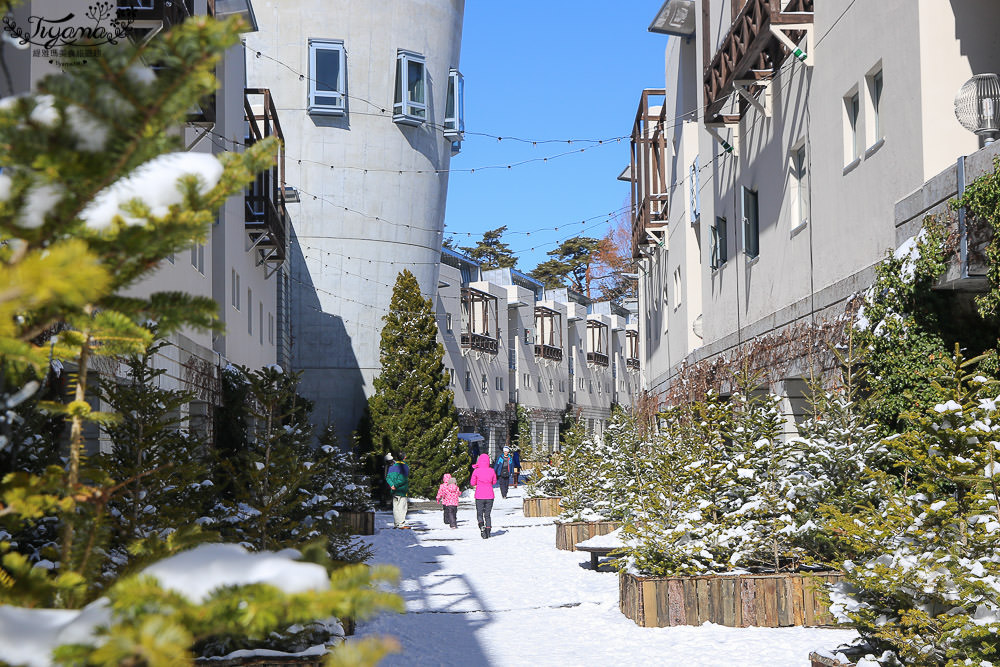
[735, 600]
[543, 506]
[570, 533]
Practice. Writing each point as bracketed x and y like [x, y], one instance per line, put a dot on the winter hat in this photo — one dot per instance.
[388, 457]
[506, 449]
[446, 479]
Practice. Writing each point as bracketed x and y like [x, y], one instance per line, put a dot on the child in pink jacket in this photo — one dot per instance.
[447, 495]
[483, 479]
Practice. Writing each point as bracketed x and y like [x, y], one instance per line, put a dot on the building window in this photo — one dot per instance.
[751, 223]
[198, 257]
[720, 243]
[562, 386]
[486, 384]
[874, 82]
[852, 112]
[499, 383]
[249, 311]
[551, 386]
[678, 288]
[410, 102]
[454, 108]
[260, 322]
[327, 74]
[800, 187]
[235, 281]
[538, 384]
[270, 328]
[447, 322]
[468, 381]
[527, 336]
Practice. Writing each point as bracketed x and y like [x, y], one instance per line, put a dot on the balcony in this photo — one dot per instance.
[480, 343]
[752, 52]
[648, 168]
[632, 364]
[266, 217]
[155, 15]
[549, 352]
[597, 358]
[480, 321]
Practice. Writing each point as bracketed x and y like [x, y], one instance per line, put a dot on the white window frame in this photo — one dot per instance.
[339, 95]
[798, 165]
[235, 278]
[852, 133]
[454, 118]
[405, 110]
[874, 83]
[751, 224]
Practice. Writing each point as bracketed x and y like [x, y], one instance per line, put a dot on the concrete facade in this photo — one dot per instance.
[541, 360]
[824, 221]
[193, 359]
[371, 190]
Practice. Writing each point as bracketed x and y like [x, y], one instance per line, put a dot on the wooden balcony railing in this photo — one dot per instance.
[632, 364]
[750, 51]
[480, 342]
[549, 352]
[266, 217]
[597, 358]
[648, 168]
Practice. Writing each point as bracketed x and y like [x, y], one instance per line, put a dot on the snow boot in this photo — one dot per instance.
[484, 533]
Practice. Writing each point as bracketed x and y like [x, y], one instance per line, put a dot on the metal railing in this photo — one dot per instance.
[480, 342]
[549, 352]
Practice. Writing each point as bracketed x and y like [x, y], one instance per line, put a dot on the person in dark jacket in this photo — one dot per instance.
[398, 479]
[504, 468]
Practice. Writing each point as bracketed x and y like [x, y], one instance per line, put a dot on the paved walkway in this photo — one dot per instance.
[515, 599]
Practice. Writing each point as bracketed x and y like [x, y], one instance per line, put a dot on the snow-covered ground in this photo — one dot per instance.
[515, 599]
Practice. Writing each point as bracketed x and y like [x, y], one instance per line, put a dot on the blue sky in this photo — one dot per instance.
[548, 69]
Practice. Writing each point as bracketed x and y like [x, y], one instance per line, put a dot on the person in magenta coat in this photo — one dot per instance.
[483, 478]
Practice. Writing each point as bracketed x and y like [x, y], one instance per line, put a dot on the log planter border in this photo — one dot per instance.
[817, 660]
[550, 506]
[358, 522]
[571, 532]
[763, 600]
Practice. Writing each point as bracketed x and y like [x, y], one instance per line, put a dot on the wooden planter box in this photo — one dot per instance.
[541, 506]
[568, 534]
[359, 523]
[739, 601]
[817, 660]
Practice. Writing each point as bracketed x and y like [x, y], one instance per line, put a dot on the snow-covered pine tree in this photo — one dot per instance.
[923, 589]
[269, 471]
[161, 467]
[658, 530]
[77, 228]
[412, 408]
[584, 496]
[754, 527]
[833, 456]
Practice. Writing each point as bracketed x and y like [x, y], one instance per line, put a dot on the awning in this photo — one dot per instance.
[471, 437]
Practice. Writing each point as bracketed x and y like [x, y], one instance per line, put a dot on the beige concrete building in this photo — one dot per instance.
[370, 98]
[242, 264]
[767, 168]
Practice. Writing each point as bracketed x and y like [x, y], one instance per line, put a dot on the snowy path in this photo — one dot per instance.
[515, 599]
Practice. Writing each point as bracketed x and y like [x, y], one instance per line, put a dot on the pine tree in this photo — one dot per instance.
[161, 467]
[921, 589]
[412, 408]
[491, 252]
[69, 247]
[583, 497]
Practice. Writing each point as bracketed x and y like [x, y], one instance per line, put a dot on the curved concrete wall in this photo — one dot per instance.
[371, 202]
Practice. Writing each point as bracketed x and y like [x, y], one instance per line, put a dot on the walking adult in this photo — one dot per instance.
[483, 478]
[398, 479]
[504, 468]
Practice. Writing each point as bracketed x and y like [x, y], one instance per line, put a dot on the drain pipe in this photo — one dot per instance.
[963, 239]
